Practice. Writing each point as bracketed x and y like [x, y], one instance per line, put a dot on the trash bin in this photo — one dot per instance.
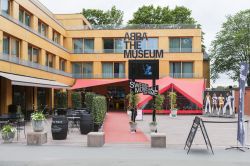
[86, 123]
[59, 127]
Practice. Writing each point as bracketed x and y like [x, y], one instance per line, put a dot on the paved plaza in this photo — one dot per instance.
[74, 150]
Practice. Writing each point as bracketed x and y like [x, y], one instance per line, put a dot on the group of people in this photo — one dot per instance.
[219, 105]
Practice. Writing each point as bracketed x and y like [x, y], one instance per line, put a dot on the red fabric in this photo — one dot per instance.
[179, 112]
[191, 89]
[84, 83]
[117, 129]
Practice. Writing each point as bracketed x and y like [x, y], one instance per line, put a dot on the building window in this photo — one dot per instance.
[150, 44]
[108, 45]
[113, 70]
[43, 28]
[62, 64]
[33, 54]
[88, 45]
[83, 70]
[24, 17]
[5, 6]
[6, 45]
[119, 45]
[78, 46]
[56, 37]
[180, 45]
[181, 69]
[50, 58]
[11, 46]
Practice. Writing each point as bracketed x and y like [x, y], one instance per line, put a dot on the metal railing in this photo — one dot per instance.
[31, 30]
[103, 75]
[17, 60]
[184, 75]
[134, 26]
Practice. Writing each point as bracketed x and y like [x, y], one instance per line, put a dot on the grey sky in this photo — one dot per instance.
[209, 13]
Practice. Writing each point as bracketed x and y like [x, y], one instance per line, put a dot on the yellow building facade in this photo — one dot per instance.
[36, 43]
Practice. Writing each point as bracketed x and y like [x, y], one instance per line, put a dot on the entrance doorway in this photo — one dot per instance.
[116, 98]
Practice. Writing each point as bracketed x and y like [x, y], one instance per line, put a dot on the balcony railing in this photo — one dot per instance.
[103, 75]
[134, 26]
[31, 30]
[184, 75]
[19, 61]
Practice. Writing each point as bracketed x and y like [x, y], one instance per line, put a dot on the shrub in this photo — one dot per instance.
[8, 129]
[61, 99]
[159, 99]
[76, 99]
[172, 100]
[89, 96]
[99, 109]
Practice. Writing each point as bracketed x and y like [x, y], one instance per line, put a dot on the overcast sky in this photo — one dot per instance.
[209, 13]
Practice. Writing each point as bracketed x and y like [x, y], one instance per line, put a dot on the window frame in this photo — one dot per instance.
[32, 53]
[42, 24]
[10, 45]
[182, 74]
[180, 49]
[25, 13]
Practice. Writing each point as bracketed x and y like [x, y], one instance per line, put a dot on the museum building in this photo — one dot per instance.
[42, 53]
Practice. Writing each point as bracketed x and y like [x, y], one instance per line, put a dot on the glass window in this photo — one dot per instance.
[174, 45]
[15, 47]
[180, 45]
[108, 45]
[27, 19]
[119, 45]
[107, 70]
[62, 64]
[42, 28]
[175, 69]
[88, 45]
[152, 43]
[50, 60]
[6, 45]
[76, 68]
[33, 54]
[187, 69]
[119, 70]
[78, 46]
[56, 37]
[5, 5]
[21, 15]
[186, 44]
[87, 70]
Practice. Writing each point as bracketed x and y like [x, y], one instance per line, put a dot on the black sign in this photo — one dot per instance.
[139, 87]
[143, 69]
[196, 124]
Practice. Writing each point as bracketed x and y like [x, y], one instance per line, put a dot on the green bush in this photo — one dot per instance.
[76, 99]
[61, 99]
[159, 99]
[99, 109]
[89, 96]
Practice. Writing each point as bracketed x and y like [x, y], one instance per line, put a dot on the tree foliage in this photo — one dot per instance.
[162, 15]
[99, 17]
[231, 46]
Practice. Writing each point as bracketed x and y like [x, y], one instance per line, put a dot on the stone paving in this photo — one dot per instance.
[176, 129]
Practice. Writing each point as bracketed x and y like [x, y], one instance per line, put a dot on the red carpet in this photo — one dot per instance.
[117, 129]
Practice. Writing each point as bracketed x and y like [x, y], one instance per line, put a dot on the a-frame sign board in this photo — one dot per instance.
[198, 123]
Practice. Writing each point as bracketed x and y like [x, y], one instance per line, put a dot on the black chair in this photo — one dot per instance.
[20, 126]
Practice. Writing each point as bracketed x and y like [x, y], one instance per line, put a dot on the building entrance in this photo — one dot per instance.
[116, 98]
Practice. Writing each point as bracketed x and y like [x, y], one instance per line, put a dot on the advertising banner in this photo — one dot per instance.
[244, 67]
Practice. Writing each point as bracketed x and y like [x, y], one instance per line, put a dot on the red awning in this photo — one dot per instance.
[191, 89]
[85, 83]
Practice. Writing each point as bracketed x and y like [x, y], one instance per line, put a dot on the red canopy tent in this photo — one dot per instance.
[191, 89]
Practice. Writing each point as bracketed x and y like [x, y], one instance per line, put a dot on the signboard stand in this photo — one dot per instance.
[198, 123]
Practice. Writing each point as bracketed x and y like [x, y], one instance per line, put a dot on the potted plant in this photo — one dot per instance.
[37, 121]
[8, 133]
[76, 100]
[172, 100]
[99, 108]
[133, 100]
[159, 99]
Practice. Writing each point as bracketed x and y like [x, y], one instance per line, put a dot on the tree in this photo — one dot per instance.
[231, 46]
[162, 15]
[100, 17]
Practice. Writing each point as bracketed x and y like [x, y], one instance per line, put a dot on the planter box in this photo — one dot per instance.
[158, 140]
[96, 139]
[36, 138]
